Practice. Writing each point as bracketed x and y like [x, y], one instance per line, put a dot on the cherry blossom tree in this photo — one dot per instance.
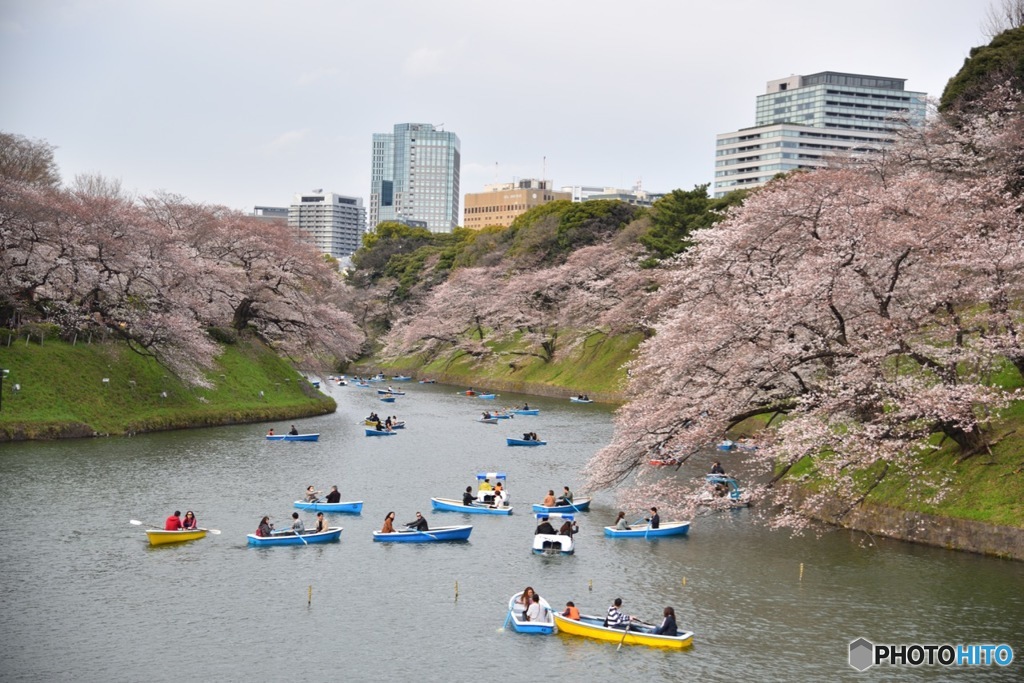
[870, 305]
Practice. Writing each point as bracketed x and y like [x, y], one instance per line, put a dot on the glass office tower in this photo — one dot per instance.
[415, 177]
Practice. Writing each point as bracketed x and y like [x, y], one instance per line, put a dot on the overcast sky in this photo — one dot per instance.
[247, 102]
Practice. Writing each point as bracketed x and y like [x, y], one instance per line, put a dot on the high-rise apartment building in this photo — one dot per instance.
[502, 203]
[332, 222]
[802, 120]
[636, 196]
[415, 176]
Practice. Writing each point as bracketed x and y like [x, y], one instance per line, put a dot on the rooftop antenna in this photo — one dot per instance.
[544, 171]
[495, 171]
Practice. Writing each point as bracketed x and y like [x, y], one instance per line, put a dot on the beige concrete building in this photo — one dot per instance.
[501, 203]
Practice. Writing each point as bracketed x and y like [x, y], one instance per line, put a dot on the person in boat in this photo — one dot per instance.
[265, 528]
[499, 496]
[568, 529]
[312, 495]
[566, 498]
[334, 496]
[388, 423]
[571, 611]
[615, 617]
[321, 523]
[418, 524]
[486, 489]
[654, 519]
[468, 498]
[389, 523]
[297, 524]
[173, 522]
[373, 417]
[526, 436]
[380, 426]
[533, 436]
[620, 522]
[293, 431]
[544, 527]
[486, 415]
[189, 523]
[270, 432]
[668, 624]
[717, 468]
[526, 597]
[526, 406]
[535, 612]
[549, 500]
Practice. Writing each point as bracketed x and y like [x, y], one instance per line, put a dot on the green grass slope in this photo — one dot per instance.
[63, 392]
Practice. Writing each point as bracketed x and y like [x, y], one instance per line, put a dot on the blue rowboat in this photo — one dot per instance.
[501, 416]
[518, 618]
[486, 397]
[524, 442]
[642, 530]
[441, 533]
[363, 385]
[315, 383]
[289, 538]
[352, 507]
[453, 505]
[525, 411]
[401, 378]
[578, 505]
[387, 399]
[293, 437]
[576, 399]
[726, 445]
[378, 432]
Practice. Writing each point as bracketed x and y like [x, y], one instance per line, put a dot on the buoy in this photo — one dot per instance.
[801, 571]
[309, 596]
[684, 580]
[456, 590]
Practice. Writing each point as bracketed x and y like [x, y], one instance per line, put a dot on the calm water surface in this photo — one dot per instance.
[84, 597]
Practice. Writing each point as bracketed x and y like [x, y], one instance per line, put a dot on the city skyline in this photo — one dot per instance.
[246, 104]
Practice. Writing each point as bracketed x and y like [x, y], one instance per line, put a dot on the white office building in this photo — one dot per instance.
[332, 222]
[801, 121]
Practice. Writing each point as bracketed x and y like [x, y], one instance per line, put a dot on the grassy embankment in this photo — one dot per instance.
[985, 487]
[63, 393]
[594, 367]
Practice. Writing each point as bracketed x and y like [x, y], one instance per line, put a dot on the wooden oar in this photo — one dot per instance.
[624, 634]
[421, 532]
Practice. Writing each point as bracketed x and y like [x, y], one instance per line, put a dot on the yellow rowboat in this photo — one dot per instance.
[592, 627]
[161, 537]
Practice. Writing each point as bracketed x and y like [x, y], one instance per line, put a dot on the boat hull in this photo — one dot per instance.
[452, 505]
[577, 506]
[553, 544]
[161, 537]
[591, 627]
[524, 442]
[352, 507]
[377, 432]
[293, 437]
[285, 538]
[441, 533]
[529, 411]
[521, 625]
[642, 531]
[580, 400]
[486, 397]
